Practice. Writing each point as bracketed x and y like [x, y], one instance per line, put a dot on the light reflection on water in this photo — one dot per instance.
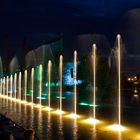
[51, 126]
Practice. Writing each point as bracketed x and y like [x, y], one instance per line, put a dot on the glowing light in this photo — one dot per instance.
[91, 121]
[11, 86]
[19, 86]
[116, 127]
[42, 98]
[119, 78]
[73, 115]
[38, 106]
[58, 97]
[15, 85]
[94, 81]
[49, 81]
[136, 95]
[32, 85]
[86, 104]
[40, 83]
[25, 84]
[129, 79]
[60, 88]
[75, 78]
[59, 112]
[30, 103]
[135, 91]
[47, 108]
[135, 77]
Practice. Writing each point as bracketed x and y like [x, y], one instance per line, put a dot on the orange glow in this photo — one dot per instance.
[91, 121]
[116, 127]
[73, 115]
[59, 112]
[47, 108]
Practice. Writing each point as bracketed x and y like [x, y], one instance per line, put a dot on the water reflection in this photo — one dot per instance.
[119, 135]
[94, 132]
[49, 127]
[75, 129]
[60, 126]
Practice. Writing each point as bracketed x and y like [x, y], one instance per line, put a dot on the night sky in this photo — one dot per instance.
[37, 20]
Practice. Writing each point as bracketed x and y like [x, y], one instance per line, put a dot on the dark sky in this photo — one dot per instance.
[38, 19]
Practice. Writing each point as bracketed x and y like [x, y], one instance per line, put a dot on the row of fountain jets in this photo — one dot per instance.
[15, 94]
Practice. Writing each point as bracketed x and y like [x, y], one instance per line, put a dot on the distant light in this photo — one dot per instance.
[42, 98]
[61, 97]
[129, 79]
[86, 104]
[136, 95]
[135, 77]
[47, 108]
[46, 84]
[135, 91]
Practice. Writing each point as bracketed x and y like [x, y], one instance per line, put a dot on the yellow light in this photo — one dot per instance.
[38, 106]
[30, 103]
[135, 91]
[73, 115]
[47, 108]
[59, 112]
[116, 127]
[129, 79]
[91, 121]
[24, 102]
[136, 95]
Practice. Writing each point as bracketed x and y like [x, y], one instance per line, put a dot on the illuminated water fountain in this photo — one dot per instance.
[11, 86]
[60, 85]
[118, 126]
[49, 83]
[74, 114]
[4, 86]
[7, 84]
[40, 86]
[32, 85]
[15, 86]
[60, 90]
[25, 85]
[19, 86]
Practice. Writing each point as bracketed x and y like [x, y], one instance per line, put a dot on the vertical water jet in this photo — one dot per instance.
[11, 86]
[19, 86]
[32, 85]
[40, 84]
[75, 82]
[60, 88]
[25, 85]
[15, 85]
[49, 83]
